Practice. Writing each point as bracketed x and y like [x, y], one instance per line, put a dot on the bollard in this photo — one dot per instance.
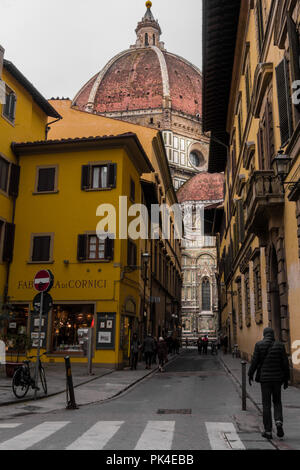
[244, 390]
[71, 403]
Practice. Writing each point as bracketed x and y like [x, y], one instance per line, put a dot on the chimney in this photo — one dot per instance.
[1, 59]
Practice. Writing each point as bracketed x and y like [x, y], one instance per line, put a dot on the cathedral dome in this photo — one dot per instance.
[144, 77]
[202, 187]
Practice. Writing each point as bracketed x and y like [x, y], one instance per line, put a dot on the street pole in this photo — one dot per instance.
[38, 347]
[90, 351]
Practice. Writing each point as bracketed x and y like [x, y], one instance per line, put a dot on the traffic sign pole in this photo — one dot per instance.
[38, 347]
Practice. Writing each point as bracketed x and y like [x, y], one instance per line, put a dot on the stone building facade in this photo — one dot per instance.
[259, 123]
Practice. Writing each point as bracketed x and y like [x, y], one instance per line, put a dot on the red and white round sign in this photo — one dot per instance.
[42, 280]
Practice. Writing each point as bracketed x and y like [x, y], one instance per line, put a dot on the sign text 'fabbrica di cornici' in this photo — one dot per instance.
[71, 284]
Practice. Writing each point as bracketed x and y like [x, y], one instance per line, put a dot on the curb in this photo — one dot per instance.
[25, 400]
[53, 394]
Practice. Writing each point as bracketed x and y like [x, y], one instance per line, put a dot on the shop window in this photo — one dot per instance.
[95, 177]
[67, 321]
[16, 328]
[46, 179]
[9, 108]
[41, 248]
[4, 167]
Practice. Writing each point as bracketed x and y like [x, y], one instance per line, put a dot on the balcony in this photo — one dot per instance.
[264, 199]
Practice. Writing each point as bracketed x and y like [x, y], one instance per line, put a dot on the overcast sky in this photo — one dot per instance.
[60, 44]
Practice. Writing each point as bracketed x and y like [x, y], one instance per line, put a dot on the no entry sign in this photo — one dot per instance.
[43, 280]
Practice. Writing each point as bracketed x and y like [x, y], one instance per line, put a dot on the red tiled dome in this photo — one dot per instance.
[202, 187]
[140, 79]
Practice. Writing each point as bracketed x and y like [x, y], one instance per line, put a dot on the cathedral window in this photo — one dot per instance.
[153, 39]
[146, 40]
[206, 301]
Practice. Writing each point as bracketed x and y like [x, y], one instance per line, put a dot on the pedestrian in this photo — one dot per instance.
[134, 349]
[162, 353]
[154, 351]
[225, 344]
[199, 344]
[205, 344]
[148, 349]
[176, 345]
[186, 342]
[270, 362]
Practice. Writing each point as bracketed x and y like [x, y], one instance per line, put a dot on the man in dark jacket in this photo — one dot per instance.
[271, 363]
[148, 349]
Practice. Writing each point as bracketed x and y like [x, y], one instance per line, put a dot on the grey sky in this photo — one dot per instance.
[60, 44]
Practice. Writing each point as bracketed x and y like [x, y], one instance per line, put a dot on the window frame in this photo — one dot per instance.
[46, 167]
[8, 118]
[51, 245]
[8, 162]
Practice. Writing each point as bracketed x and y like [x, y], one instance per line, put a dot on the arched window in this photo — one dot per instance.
[206, 294]
[153, 39]
[146, 40]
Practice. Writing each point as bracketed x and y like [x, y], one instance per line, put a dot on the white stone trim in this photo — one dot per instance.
[92, 96]
[164, 71]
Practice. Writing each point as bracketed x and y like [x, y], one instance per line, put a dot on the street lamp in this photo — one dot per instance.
[281, 164]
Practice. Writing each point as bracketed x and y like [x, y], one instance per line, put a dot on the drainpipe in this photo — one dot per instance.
[9, 263]
[47, 127]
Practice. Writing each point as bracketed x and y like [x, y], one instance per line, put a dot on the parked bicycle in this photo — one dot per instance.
[22, 379]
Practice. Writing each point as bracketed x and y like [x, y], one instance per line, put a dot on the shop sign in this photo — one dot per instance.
[71, 284]
[105, 333]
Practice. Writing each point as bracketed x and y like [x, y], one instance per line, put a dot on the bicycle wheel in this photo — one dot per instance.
[20, 383]
[43, 379]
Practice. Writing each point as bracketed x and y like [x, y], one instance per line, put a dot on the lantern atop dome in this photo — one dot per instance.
[148, 30]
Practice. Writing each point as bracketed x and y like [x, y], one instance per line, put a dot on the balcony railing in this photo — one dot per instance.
[264, 196]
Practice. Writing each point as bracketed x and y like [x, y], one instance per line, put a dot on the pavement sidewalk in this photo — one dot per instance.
[290, 398]
[104, 385]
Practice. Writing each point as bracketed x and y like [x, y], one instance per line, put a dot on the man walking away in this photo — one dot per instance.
[154, 351]
[135, 347]
[271, 363]
[162, 353]
[148, 349]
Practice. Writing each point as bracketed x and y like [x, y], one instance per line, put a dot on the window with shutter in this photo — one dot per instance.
[294, 46]
[14, 180]
[98, 176]
[85, 177]
[41, 248]
[9, 108]
[46, 180]
[284, 101]
[241, 220]
[131, 253]
[260, 25]
[8, 244]
[4, 167]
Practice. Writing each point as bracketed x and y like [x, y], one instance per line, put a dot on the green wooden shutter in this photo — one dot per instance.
[82, 247]
[8, 246]
[284, 101]
[85, 177]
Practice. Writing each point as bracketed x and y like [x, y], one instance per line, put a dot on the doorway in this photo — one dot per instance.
[275, 317]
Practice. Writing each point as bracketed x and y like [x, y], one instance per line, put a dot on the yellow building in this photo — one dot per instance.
[67, 184]
[251, 108]
[23, 116]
